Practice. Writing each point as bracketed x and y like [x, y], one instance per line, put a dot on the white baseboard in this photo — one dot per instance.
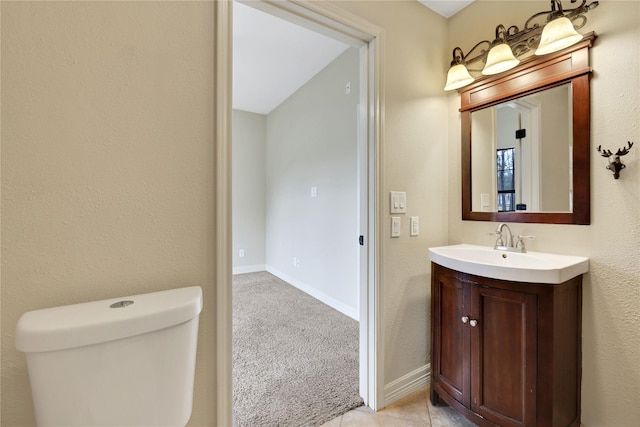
[321, 296]
[249, 269]
[407, 384]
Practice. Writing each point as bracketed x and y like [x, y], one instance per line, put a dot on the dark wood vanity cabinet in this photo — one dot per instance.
[506, 353]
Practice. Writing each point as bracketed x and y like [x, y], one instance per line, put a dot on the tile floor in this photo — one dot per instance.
[413, 410]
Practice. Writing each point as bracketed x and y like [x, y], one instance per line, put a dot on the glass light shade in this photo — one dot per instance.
[457, 77]
[556, 35]
[499, 59]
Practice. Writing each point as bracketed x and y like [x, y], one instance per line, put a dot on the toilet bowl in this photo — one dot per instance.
[120, 362]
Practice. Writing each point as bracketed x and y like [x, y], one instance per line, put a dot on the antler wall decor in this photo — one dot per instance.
[615, 164]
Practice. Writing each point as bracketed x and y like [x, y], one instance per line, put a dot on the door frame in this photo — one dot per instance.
[335, 22]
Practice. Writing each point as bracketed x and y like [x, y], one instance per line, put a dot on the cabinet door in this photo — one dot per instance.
[504, 354]
[451, 339]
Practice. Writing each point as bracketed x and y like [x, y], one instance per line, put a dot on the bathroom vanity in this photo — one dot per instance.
[505, 352]
[506, 324]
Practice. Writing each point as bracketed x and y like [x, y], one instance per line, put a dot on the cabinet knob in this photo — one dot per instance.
[473, 323]
[464, 319]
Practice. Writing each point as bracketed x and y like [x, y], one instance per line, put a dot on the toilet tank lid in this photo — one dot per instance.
[94, 322]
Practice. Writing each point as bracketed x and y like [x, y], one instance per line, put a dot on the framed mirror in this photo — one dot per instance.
[525, 141]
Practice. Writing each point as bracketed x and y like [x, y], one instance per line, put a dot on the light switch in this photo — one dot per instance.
[314, 191]
[415, 226]
[395, 226]
[398, 202]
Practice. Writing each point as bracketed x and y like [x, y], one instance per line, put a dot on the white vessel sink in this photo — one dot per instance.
[530, 267]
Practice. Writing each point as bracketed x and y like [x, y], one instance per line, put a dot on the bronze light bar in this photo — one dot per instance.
[557, 32]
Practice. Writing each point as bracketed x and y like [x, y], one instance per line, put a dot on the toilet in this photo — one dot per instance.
[119, 362]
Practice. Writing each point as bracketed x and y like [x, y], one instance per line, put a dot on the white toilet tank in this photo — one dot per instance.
[120, 362]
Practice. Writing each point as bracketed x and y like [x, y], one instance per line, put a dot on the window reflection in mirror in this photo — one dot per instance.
[506, 179]
[521, 154]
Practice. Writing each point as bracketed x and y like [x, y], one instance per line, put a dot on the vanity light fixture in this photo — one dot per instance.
[557, 32]
[458, 75]
[500, 57]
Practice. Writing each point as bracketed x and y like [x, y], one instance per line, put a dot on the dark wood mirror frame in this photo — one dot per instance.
[535, 74]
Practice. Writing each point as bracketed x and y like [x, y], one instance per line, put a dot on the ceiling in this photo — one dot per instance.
[446, 8]
[273, 58]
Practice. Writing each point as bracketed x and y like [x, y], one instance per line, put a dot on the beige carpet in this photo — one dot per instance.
[295, 359]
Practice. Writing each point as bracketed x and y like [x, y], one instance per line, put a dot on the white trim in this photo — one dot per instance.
[530, 113]
[363, 219]
[375, 358]
[249, 269]
[536, 132]
[300, 14]
[407, 384]
[319, 295]
[223, 247]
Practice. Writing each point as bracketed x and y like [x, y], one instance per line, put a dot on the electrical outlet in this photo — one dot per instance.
[484, 202]
[241, 253]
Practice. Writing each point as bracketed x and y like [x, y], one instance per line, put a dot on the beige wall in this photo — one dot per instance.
[108, 176]
[611, 306]
[413, 159]
[107, 157]
[107, 166]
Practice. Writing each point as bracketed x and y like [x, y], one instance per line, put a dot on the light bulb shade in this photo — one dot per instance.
[499, 59]
[556, 35]
[457, 77]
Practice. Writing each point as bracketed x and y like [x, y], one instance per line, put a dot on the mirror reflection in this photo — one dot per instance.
[521, 154]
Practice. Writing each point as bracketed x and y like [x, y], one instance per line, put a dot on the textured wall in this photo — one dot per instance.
[107, 165]
[611, 306]
[97, 97]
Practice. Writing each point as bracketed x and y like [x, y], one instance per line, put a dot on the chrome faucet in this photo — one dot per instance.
[505, 243]
[501, 244]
